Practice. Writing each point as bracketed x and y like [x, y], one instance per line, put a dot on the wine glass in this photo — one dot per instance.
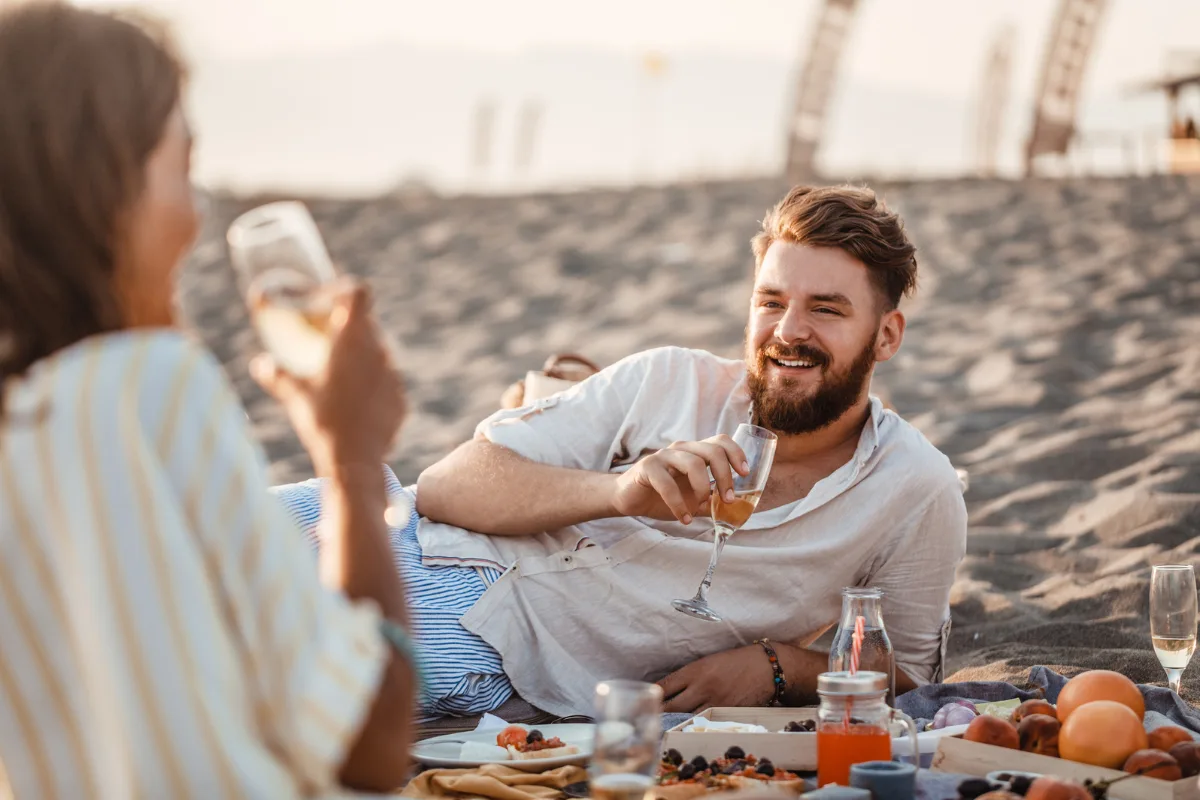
[628, 730]
[1173, 618]
[759, 446]
[282, 265]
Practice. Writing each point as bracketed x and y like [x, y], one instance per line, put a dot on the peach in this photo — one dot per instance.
[1153, 764]
[1188, 756]
[1039, 734]
[1167, 736]
[1033, 707]
[993, 731]
[1055, 789]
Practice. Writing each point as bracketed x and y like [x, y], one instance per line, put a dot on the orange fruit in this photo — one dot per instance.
[1103, 733]
[1099, 684]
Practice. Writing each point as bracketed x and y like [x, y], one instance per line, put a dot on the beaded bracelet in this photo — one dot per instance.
[780, 681]
[402, 643]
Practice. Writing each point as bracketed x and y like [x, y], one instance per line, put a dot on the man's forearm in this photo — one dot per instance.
[485, 487]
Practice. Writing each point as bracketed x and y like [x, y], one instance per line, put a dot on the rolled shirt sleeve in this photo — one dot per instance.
[582, 427]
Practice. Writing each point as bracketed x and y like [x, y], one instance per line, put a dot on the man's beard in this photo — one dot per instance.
[777, 409]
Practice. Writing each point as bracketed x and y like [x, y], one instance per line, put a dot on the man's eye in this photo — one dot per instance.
[772, 304]
[824, 310]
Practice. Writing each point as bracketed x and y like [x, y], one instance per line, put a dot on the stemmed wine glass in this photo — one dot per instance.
[282, 265]
[1173, 618]
[628, 730]
[759, 446]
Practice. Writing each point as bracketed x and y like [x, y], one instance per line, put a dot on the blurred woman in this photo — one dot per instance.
[163, 629]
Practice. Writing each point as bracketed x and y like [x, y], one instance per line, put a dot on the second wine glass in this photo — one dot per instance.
[1173, 618]
[759, 446]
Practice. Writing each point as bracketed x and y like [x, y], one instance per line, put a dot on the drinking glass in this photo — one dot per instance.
[282, 265]
[628, 729]
[759, 446]
[281, 262]
[877, 653]
[1173, 618]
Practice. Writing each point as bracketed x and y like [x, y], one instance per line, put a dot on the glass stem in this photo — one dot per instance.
[720, 536]
[1174, 676]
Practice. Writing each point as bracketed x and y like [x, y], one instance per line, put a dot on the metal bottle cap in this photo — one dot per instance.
[843, 683]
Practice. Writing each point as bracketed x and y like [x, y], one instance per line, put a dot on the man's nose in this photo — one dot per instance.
[793, 327]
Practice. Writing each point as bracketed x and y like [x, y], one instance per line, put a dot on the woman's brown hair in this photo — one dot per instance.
[84, 100]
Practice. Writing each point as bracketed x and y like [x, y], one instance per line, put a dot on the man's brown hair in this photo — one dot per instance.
[84, 100]
[851, 219]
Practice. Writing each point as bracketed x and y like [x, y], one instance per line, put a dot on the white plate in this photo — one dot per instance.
[446, 751]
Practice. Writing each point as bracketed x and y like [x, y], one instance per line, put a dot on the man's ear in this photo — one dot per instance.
[890, 335]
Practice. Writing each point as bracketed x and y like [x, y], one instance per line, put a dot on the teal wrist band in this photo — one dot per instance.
[403, 644]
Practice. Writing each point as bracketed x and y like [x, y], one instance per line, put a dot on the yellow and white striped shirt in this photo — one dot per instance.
[163, 633]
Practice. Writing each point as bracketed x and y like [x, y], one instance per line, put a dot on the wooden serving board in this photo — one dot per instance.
[955, 754]
[792, 751]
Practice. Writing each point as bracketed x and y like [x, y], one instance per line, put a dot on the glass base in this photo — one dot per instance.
[696, 608]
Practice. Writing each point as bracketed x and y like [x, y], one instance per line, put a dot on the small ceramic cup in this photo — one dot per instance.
[885, 780]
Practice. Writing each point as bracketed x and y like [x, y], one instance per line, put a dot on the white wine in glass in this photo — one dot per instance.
[759, 446]
[282, 265]
[1173, 619]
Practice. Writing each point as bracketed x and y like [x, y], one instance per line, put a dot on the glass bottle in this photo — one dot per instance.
[877, 654]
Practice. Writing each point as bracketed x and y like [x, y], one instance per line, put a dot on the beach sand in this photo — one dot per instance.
[1052, 352]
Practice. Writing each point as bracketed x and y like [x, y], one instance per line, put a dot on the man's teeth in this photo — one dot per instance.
[801, 363]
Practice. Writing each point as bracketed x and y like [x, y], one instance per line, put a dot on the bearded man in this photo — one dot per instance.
[582, 514]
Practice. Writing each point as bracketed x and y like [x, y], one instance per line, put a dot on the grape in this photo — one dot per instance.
[962, 711]
[959, 715]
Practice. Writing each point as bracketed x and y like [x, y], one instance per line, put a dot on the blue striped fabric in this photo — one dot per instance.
[463, 674]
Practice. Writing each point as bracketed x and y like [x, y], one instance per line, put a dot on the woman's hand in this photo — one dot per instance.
[351, 412]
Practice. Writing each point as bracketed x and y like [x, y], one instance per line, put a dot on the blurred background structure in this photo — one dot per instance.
[362, 96]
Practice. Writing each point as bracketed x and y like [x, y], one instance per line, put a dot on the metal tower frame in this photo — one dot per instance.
[992, 101]
[1071, 39]
[815, 85]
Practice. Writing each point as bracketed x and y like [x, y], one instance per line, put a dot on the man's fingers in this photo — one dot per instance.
[673, 684]
[717, 462]
[693, 472]
[733, 452]
[662, 482]
[689, 700]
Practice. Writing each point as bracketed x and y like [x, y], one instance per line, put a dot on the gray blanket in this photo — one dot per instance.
[1163, 707]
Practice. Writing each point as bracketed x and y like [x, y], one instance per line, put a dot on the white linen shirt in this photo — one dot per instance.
[593, 601]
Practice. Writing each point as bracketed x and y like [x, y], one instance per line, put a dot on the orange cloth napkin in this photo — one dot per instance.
[495, 782]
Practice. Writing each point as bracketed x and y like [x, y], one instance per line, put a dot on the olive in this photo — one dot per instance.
[974, 787]
[793, 727]
[674, 756]
[1020, 784]
[735, 752]
[766, 768]
[686, 772]
[810, 725]
[535, 736]
[700, 763]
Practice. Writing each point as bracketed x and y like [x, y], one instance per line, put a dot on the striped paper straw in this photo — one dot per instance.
[857, 639]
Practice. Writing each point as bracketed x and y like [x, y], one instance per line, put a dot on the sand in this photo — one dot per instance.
[1052, 353]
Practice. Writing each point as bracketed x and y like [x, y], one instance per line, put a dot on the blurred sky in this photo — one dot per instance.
[355, 95]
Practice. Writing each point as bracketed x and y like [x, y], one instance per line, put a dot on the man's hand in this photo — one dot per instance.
[737, 678]
[674, 482]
